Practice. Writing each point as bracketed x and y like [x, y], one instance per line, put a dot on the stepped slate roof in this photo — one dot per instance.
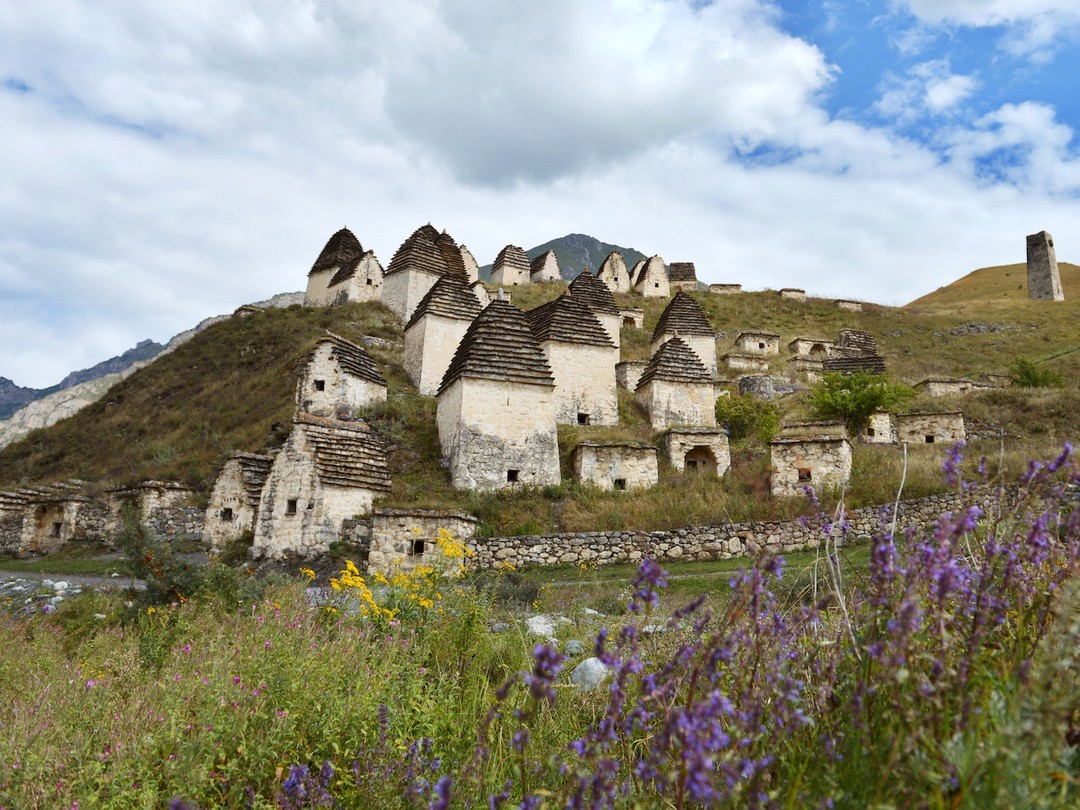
[568, 319]
[539, 264]
[343, 250]
[347, 454]
[852, 365]
[420, 252]
[353, 359]
[512, 256]
[254, 470]
[451, 253]
[588, 288]
[682, 271]
[675, 362]
[684, 316]
[450, 297]
[857, 339]
[499, 345]
[855, 351]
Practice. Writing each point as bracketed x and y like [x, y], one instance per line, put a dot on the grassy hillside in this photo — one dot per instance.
[989, 287]
[226, 389]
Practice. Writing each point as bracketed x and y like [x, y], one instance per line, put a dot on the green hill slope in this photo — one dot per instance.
[993, 287]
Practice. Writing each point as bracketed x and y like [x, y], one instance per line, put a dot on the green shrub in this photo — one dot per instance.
[853, 398]
[168, 577]
[748, 417]
[1028, 374]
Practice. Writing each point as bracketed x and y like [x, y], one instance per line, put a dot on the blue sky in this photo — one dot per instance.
[166, 162]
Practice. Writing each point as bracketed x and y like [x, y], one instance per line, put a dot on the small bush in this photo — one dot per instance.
[168, 578]
[1028, 374]
[853, 398]
[747, 417]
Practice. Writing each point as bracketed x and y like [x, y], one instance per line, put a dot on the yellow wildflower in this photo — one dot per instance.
[307, 572]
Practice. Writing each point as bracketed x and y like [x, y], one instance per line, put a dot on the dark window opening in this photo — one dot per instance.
[761, 345]
[627, 321]
[511, 476]
[583, 419]
[417, 547]
[320, 385]
[290, 506]
[691, 464]
[929, 439]
[55, 531]
[226, 514]
[369, 282]
[657, 285]
[620, 483]
[869, 431]
[804, 474]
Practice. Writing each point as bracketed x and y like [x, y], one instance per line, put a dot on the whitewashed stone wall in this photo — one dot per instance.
[365, 284]
[848, 306]
[584, 382]
[929, 428]
[948, 388]
[811, 347]
[49, 525]
[616, 466]
[720, 542]
[614, 274]
[472, 269]
[509, 275]
[12, 509]
[632, 317]
[220, 527]
[298, 515]
[402, 291]
[880, 429]
[653, 280]
[678, 403]
[745, 362]
[725, 289]
[340, 390]
[809, 368]
[429, 347]
[708, 450]
[793, 294]
[612, 324]
[815, 462]
[701, 345]
[628, 373]
[400, 539]
[759, 344]
[488, 428]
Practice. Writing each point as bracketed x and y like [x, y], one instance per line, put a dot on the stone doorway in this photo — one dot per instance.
[700, 459]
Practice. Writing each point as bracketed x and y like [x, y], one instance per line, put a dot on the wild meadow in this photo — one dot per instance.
[941, 674]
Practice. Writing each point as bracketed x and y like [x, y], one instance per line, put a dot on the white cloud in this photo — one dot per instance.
[1033, 26]
[930, 87]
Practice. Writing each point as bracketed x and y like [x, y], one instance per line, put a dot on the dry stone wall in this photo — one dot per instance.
[720, 542]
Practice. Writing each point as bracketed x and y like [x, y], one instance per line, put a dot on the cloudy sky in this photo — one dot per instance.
[163, 162]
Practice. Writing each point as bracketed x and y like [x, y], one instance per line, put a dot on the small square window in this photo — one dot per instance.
[657, 285]
[369, 282]
[929, 439]
[417, 547]
[227, 514]
[761, 345]
[290, 506]
[320, 385]
[511, 476]
[869, 431]
[583, 419]
[620, 483]
[804, 474]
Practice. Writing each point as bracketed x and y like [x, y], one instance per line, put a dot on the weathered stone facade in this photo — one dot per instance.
[811, 347]
[59, 514]
[234, 501]
[597, 297]
[702, 450]
[12, 510]
[628, 373]
[793, 294]
[684, 317]
[435, 330]
[720, 542]
[762, 386]
[340, 379]
[343, 273]
[616, 465]
[930, 428]
[809, 368]
[468, 261]
[682, 276]
[676, 389]
[815, 461]
[327, 471]
[652, 279]
[765, 344]
[582, 360]
[745, 362]
[545, 268]
[150, 500]
[1043, 276]
[948, 387]
[848, 306]
[880, 429]
[496, 406]
[855, 351]
[614, 274]
[420, 261]
[633, 318]
[725, 289]
[401, 539]
[511, 267]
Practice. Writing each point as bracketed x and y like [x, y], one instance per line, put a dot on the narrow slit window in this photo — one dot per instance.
[290, 506]
[55, 530]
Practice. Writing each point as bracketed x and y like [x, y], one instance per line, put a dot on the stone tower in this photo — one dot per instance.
[1044, 281]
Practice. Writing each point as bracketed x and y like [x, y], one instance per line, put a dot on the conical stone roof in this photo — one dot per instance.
[594, 293]
[567, 319]
[421, 252]
[682, 271]
[347, 454]
[674, 362]
[545, 261]
[683, 315]
[499, 345]
[342, 250]
[451, 253]
[450, 297]
[512, 256]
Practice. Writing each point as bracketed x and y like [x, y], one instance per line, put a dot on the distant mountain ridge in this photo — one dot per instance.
[575, 252]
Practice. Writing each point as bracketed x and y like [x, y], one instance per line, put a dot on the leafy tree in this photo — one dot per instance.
[1027, 374]
[745, 416]
[853, 398]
